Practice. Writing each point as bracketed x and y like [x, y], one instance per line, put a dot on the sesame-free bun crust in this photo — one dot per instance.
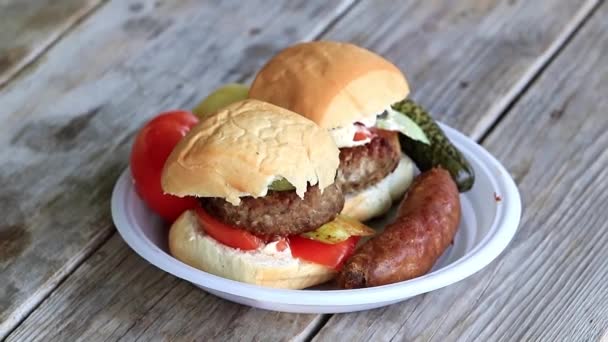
[241, 149]
[333, 84]
[377, 199]
[189, 244]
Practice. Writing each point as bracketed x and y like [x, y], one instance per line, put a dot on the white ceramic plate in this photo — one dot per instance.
[487, 227]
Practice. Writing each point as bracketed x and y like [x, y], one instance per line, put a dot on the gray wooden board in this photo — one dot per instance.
[551, 283]
[145, 304]
[465, 60]
[67, 122]
[128, 84]
[28, 27]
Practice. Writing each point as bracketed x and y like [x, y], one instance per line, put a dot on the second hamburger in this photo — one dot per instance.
[348, 91]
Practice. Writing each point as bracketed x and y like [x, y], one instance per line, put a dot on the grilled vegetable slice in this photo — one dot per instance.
[338, 230]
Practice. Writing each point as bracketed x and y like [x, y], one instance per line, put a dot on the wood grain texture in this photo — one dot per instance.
[67, 123]
[131, 81]
[550, 284]
[28, 27]
[465, 60]
[146, 305]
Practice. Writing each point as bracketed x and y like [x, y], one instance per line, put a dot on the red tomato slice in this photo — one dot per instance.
[331, 255]
[226, 234]
[151, 149]
[362, 133]
[360, 136]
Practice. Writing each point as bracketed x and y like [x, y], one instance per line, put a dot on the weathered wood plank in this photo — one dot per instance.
[147, 305]
[29, 27]
[126, 93]
[465, 60]
[67, 124]
[149, 320]
[550, 285]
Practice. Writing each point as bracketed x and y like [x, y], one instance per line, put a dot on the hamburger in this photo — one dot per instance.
[269, 204]
[348, 91]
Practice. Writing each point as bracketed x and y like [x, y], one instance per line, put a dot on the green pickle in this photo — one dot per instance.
[440, 152]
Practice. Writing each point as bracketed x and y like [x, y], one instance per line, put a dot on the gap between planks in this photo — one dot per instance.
[36, 299]
[497, 112]
[35, 55]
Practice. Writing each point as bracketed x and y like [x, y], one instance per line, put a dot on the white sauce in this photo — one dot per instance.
[267, 254]
[271, 249]
[344, 136]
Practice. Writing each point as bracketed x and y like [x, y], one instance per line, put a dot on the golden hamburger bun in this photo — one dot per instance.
[244, 147]
[377, 199]
[333, 84]
[266, 267]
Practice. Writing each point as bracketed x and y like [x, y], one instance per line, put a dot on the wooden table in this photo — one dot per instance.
[527, 79]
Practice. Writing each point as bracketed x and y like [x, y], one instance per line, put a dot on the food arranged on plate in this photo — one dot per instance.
[348, 91]
[270, 185]
[361, 98]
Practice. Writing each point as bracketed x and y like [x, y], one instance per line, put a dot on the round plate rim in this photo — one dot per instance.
[502, 231]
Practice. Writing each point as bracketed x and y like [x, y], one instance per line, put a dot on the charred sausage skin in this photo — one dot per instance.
[426, 223]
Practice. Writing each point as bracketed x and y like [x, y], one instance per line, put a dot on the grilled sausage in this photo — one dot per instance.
[426, 223]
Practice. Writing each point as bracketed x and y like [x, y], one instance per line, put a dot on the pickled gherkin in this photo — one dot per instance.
[440, 152]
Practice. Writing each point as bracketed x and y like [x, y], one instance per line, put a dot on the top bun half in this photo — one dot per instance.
[333, 84]
[242, 148]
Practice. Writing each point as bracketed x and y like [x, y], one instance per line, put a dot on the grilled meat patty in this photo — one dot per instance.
[280, 212]
[365, 165]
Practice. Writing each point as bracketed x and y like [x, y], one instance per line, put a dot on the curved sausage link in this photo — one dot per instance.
[426, 223]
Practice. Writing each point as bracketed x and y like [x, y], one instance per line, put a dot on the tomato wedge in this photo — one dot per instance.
[151, 148]
[226, 234]
[331, 255]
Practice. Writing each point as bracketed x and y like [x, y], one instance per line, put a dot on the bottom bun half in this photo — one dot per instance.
[266, 266]
[376, 200]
